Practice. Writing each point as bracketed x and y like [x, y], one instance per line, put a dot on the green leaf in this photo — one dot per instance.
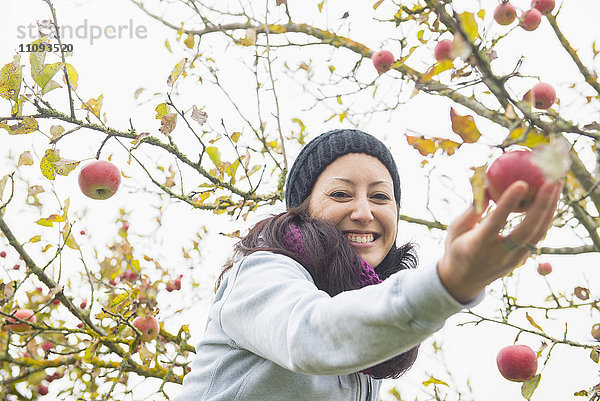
[529, 386]
[469, 24]
[215, 156]
[36, 59]
[50, 86]
[10, 81]
[26, 126]
[177, 70]
[46, 74]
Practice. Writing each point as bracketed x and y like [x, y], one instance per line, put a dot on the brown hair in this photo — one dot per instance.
[331, 261]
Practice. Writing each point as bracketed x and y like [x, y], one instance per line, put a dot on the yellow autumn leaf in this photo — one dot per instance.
[36, 238]
[469, 25]
[433, 380]
[530, 138]
[25, 126]
[478, 187]
[161, 110]
[176, 72]
[95, 105]
[428, 146]
[464, 126]
[69, 238]
[73, 76]
[189, 41]
[532, 322]
[437, 68]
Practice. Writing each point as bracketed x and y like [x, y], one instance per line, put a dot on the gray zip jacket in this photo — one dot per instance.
[272, 335]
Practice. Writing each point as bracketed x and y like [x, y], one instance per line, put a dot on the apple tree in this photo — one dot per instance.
[83, 318]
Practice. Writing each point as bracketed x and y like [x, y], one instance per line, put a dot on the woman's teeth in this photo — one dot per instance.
[363, 238]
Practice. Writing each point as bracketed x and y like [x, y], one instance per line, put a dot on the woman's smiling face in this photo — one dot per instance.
[356, 193]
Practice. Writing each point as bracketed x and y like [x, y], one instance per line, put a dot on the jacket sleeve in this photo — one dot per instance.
[272, 308]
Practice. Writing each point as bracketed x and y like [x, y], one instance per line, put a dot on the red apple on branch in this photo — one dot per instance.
[517, 362]
[505, 13]
[99, 179]
[383, 60]
[545, 6]
[443, 50]
[541, 96]
[20, 327]
[531, 19]
[148, 326]
[544, 268]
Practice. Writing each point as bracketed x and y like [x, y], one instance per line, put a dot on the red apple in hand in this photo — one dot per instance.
[545, 6]
[99, 179]
[511, 167]
[517, 362]
[541, 96]
[148, 326]
[383, 60]
[443, 50]
[531, 19]
[19, 327]
[505, 13]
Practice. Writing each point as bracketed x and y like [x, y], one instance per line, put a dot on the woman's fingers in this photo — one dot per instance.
[464, 222]
[508, 203]
[539, 216]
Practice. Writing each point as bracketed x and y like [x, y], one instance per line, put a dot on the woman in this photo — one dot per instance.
[318, 302]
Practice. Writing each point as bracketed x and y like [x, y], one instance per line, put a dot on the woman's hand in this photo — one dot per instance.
[477, 254]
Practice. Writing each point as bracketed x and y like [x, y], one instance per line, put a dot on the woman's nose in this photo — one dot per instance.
[361, 210]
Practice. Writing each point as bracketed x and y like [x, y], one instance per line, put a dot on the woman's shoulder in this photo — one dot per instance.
[272, 263]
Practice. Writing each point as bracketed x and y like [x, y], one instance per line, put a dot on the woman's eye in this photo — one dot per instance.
[381, 196]
[338, 194]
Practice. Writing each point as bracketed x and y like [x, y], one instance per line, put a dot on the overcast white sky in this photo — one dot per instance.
[116, 68]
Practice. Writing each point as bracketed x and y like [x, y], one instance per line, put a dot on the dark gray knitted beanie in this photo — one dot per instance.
[323, 150]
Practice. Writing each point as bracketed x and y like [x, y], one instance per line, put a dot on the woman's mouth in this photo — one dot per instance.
[360, 239]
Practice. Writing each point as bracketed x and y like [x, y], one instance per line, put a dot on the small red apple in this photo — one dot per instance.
[82, 232]
[544, 268]
[531, 19]
[541, 96]
[517, 362]
[42, 389]
[3, 254]
[383, 60]
[443, 50]
[79, 325]
[16, 267]
[596, 331]
[83, 304]
[545, 6]
[511, 167]
[148, 326]
[505, 13]
[18, 327]
[99, 179]
[47, 345]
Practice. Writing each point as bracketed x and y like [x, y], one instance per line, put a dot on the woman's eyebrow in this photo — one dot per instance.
[349, 181]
